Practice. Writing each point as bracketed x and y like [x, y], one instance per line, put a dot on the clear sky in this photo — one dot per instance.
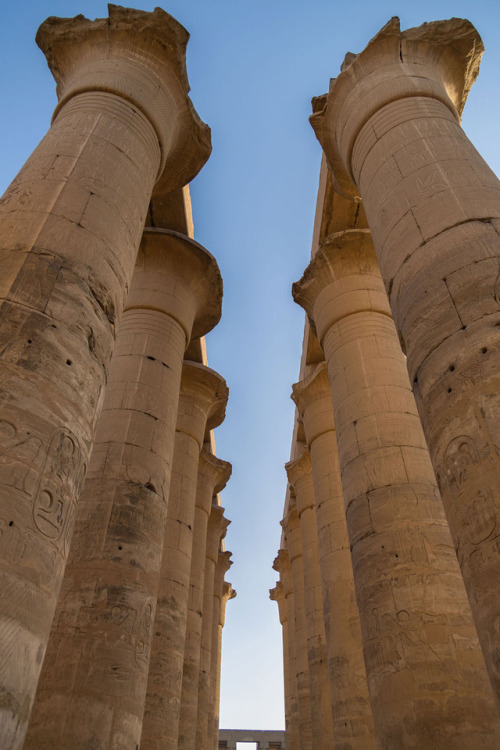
[253, 66]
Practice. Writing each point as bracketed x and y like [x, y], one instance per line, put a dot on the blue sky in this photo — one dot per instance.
[253, 66]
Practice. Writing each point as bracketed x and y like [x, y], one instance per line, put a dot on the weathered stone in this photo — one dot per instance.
[223, 592]
[213, 475]
[202, 402]
[110, 587]
[391, 128]
[299, 473]
[350, 702]
[425, 670]
[70, 227]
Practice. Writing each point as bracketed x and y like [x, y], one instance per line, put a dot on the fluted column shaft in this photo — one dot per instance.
[350, 702]
[223, 592]
[291, 527]
[411, 598]
[299, 474]
[70, 227]
[203, 396]
[282, 566]
[213, 475]
[433, 206]
[110, 586]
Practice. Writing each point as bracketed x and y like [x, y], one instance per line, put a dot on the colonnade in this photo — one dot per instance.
[112, 558]
[389, 565]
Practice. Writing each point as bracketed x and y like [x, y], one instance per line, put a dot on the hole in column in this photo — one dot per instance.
[153, 359]
[450, 390]
[30, 341]
[69, 362]
[120, 547]
[11, 523]
[396, 555]
[484, 349]
[452, 368]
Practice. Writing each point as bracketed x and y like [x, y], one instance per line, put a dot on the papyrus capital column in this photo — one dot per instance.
[282, 566]
[293, 537]
[410, 594]
[223, 593]
[391, 125]
[213, 474]
[70, 227]
[299, 473]
[114, 561]
[202, 402]
[350, 703]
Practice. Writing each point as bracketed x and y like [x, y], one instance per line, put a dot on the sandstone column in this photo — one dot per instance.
[222, 594]
[392, 127]
[277, 594]
[299, 474]
[282, 566]
[202, 402]
[425, 670]
[291, 527]
[217, 563]
[70, 227]
[98, 654]
[213, 475]
[351, 708]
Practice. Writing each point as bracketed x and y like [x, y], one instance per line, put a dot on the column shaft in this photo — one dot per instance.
[300, 477]
[70, 226]
[410, 594]
[433, 206]
[350, 702]
[202, 401]
[222, 594]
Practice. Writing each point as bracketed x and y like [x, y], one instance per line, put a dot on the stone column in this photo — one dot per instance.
[222, 594]
[110, 586]
[70, 227]
[421, 652]
[282, 566]
[351, 708]
[299, 474]
[277, 594]
[213, 475]
[291, 528]
[202, 403]
[392, 126]
[217, 563]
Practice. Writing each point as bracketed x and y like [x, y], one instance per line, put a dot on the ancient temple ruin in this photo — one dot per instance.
[112, 558]
[388, 638]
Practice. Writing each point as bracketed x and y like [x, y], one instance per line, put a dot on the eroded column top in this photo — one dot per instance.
[439, 60]
[141, 57]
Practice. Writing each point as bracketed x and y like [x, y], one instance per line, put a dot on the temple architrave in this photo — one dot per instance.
[112, 557]
[392, 507]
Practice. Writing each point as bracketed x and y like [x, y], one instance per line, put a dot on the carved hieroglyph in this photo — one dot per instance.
[202, 403]
[350, 702]
[98, 653]
[425, 670]
[213, 474]
[70, 227]
[299, 472]
[390, 128]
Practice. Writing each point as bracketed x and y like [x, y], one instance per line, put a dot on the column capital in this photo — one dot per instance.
[178, 276]
[213, 475]
[217, 527]
[277, 594]
[325, 292]
[283, 566]
[313, 400]
[208, 392]
[228, 593]
[438, 60]
[140, 57]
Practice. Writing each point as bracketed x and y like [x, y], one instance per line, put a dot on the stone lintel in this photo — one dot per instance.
[176, 275]
[345, 254]
[141, 57]
[439, 60]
